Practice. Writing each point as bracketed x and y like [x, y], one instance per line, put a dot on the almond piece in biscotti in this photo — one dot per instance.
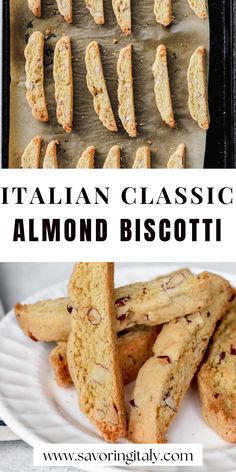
[197, 88]
[143, 158]
[63, 78]
[113, 158]
[65, 9]
[126, 107]
[31, 156]
[86, 161]
[163, 12]
[199, 7]
[122, 10]
[34, 69]
[35, 7]
[96, 9]
[97, 86]
[50, 159]
[162, 86]
[177, 160]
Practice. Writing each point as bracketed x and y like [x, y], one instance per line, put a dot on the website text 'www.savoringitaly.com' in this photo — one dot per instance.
[118, 455]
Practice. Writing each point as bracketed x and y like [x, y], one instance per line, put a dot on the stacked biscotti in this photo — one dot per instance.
[154, 333]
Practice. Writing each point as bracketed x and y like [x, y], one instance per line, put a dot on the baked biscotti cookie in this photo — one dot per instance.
[65, 9]
[113, 158]
[30, 158]
[162, 86]
[143, 158]
[199, 7]
[50, 159]
[46, 321]
[63, 78]
[163, 12]
[164, 379]
[122, 10]
[125, 91]
[34, 69]
[177, 160]
[97, 86]
[86, 161]
[135, 347]
[92, 350]
[35, 7]
[197, 88]
[97, 10]
[217, 380]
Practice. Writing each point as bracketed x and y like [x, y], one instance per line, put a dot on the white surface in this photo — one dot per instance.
[39, 411]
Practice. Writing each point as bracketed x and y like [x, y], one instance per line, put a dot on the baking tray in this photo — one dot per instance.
[221, 137]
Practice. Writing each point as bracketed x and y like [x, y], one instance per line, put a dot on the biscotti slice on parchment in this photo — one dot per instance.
[199, 7]
[92, 350]
[197, 88]
[30, 158]
[35, 7]
[86, 161]
[65, 9]
[217, 380]
[34, 68]
[50, 159]
[177, 160]
[46, 321]
[164, 379]
[97, 86]
[122, 10]
[63, 78]
[142, 158]
[163, 12]
[162, 86]
[96, 9]
[113, 158]
[135, 347]
[126, 108]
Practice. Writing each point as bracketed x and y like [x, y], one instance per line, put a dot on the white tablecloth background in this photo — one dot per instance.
[19, 281]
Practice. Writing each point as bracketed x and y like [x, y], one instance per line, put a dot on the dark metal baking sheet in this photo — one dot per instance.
[221, 137]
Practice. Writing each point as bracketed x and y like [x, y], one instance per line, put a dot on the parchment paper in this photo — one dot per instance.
[182, 38]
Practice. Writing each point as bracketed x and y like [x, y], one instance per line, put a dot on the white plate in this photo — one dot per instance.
[38, 411]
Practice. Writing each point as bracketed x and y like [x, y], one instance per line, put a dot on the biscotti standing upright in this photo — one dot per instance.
[96, 9]
[199, 7]
[86, 161]
[163, 12]
[35, 7]
[142, 158]
[50, 159]
[197, 87]
[113, 158]
[126, 107]
[65, 9]
[162, 86]
[122, 11]
[92, 349]
[34, 68]
[166, 376]
[63, 77]
[30, 158]
[97, 86]
[217, 380]
[135, 347]
[177, 160]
